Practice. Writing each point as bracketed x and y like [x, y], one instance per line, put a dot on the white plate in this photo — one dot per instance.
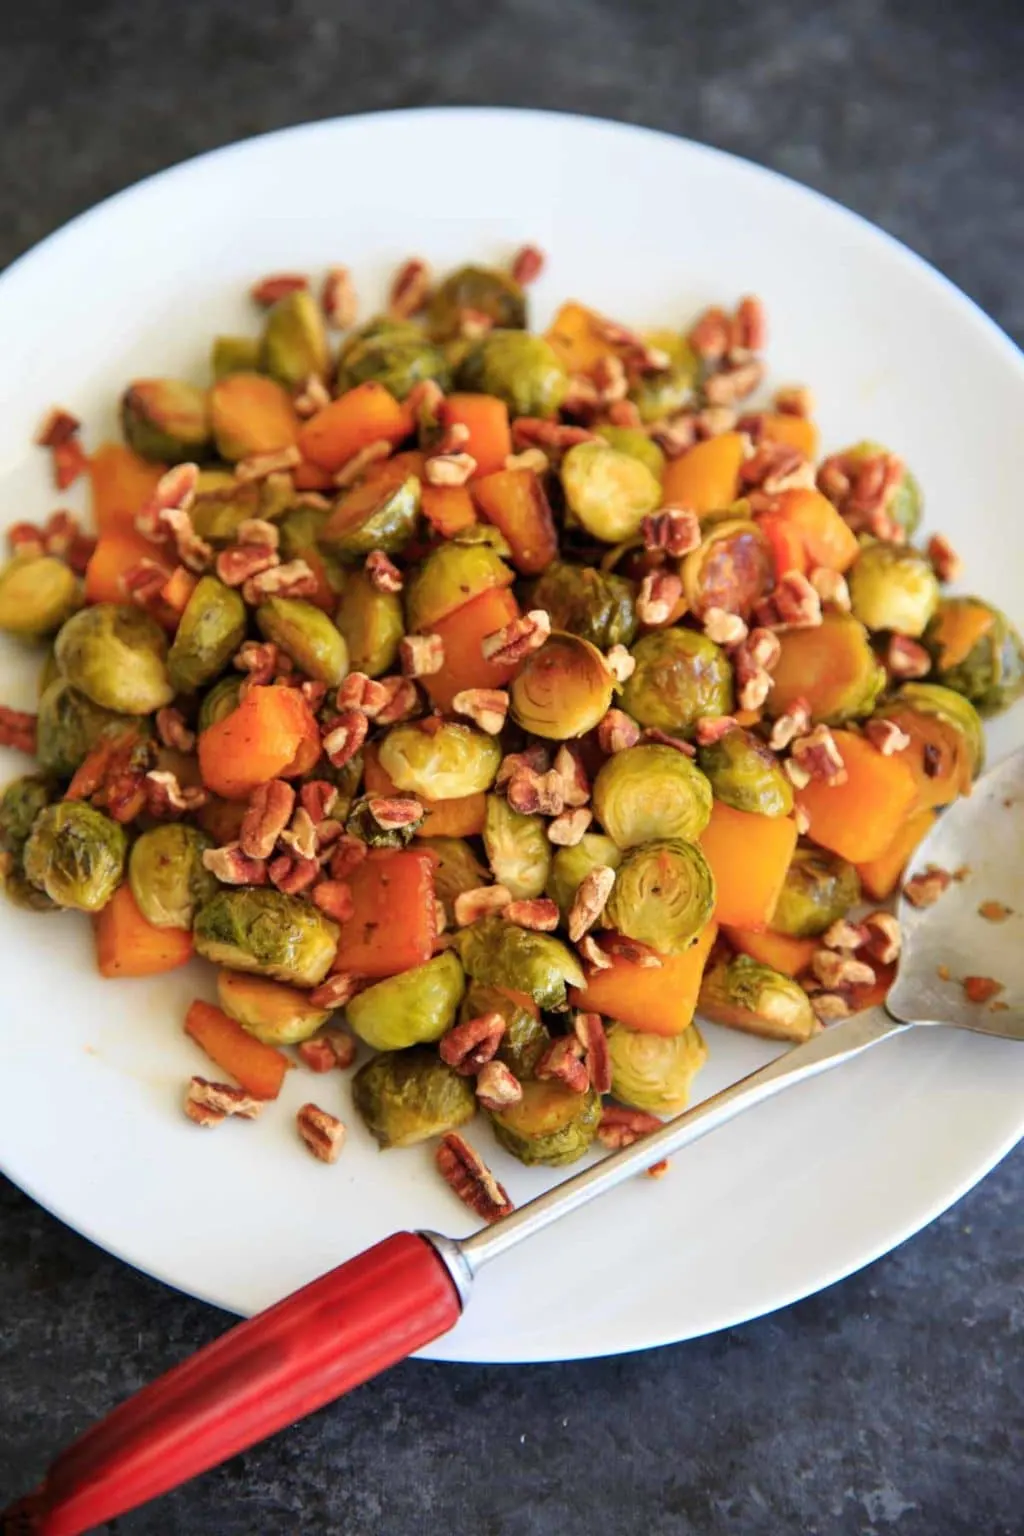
[649, 229]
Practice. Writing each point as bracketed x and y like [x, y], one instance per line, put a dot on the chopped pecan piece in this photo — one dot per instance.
[166, 798]
[723, 627]
[335, 898]
[295, 579]
[819, 756]
[277, 286]
[622, 1127]
[172, 730]
[362, 693]
[239, 562]
[259, 660]
[589, 902]
[323, 1134]
[57, 426]
[410, 289]
[674, 435]
[794, 400]
[383, 572]
[981, 989]
[568, 829]
[836, 970]
[664, 739]
[301, 835]
[530, 458]
[845, 935]
[527, 264]
[620, 663]
[515, 641]
[292, 874]
[570, 769]
[260, 466]
[391, 812]
[318, 798]
[345, 736]
[232, 866]
[336, 991]
[486, 707]
[267, 814]
[905, 658]
[831, 587]
[466, 1173]
[734, 382]
[533, 793]
[886, 736]
[18, 730]
[589, 1031]
[676, 530]
[884, 940]
[482, 901]
[540, 913]
[318, 1055]
[617, 731]
[797, 775]
[794, 721]
[421, 655]
[563, 1062]
[497, 1086]
[223, 1099]
[355, 468]
[469, 1045]
[311, 399]
[338, 298]
[535, 757]
[659, 593]
[535, 432]
[829, 1006]
[401, 702]
[346, 856]
[343, 1046]
[449, 468]
[946, 563]
[711, 728]
[592, 955]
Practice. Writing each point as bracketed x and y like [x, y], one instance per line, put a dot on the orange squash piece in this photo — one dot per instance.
[462, 634]
[120, 483]
[779, 950]
[826, 538]
[222, 819]
[257, 742]
[310, 477]
[462, 816]
[252, 414]
[794, 431]
[367, 414]
[881, 876]
[958, 626]
[653, 1002]
[749, 855]
[114, 556]
[128, 945]
[707, 476]
[486, 419]
[259, 1068]
[786, 540]
[515, 501]
[447, 508]
[577, 337]
[859, 819]
[393, 924]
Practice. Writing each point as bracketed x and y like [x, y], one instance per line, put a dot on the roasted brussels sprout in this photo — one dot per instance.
[665, 391]
[893, 587]
[70, 725]
[523, 370]
[744, 994]
[551, 1124]
[947, 739]
[380, 513]
[505, 955]
[210, 632]
[19, 890]
[408, 1096]
[819, 888]
[36, 596]
[451, 575]
[525, 1039]
[648, 792]
[218, 513]
[485, 290]
[117, 656]
[221, 701]
[977, 652]
[268, 1010]
[664, 894]
[587, 602]
[654, 1072]
[371, 623]
[76, 855]
[267, 932]
[294, 342]
[442, 764]
[361, 822]
[634, 441]
[905, 503]
[346, 781]
[680, 676]
[168, 878]
[517, 847]
[234, 354]
[608, 491]
[732, 569]
[457, 869]
[20, 804]
[569, 865]
[398, 356]
[48, 673]
[410, 1009]
[306, 634]
[746, 774]
[563, 689]
[831, 666]
[166, 420]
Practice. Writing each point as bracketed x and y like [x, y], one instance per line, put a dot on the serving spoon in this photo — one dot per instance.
[371, 1312]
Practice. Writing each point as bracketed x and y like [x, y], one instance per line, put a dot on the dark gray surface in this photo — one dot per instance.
[891, 1403]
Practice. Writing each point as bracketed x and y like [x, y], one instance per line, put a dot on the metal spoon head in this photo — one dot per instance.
[982, 839]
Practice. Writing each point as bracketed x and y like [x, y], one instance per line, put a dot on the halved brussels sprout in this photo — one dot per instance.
[371, 623]
[486, 290]
[398, 356]
[520, 959]
[831, 666]
[525, 1039]
[76, 855]
[733, 568]
[218, 513]
[221, 701]
[168, 878]
[654, 1072]
[451, 575]
[20, 804]
[346, 781]
[442, 764]
[608, 491]
[636, 442]
[551, 1124]
[254, 929]
[819, 889]
[570, 865]
[893, 587]
[294, 344]
[906, 502]
[664, 894]
[517, 848]
[19, 890]
[562, 690]
[457, 869]
[649, 792]
[210, 632]
[680, 675]
[523, 370]
[412, 1008]
[36, 596]
[306, 634]
[117, 656]
[234, 354]
[380, 513]
[360, 822]
[744, 994]
[587, 602]
[745, 773]
[977, 652]
[70, 725]
[665, 391]
[947, 739]
[409, 1096]
[166, 420]
[268, 1010]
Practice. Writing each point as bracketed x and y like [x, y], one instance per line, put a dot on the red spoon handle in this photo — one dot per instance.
[266, 1373]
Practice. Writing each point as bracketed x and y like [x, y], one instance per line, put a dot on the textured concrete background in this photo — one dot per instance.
[892, 1404]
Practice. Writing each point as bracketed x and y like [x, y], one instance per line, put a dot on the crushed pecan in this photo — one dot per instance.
[338, 298]
[589, 902]
[723, 627]
[793, 400]
[318, 798]
[622, 1127]
[664, 739]
[616, 731]
[231, 866]
[311, 399]
[753, 660]
[946, 563]
[793, 604]
[534, 757]
[468, 1176]
[421, 655]
[776, 467]
[497, 1087]
[293, 874]
[659, 593]
[267, 814]
[886, 736]
[469, 1045]
[391, 812]
[383, 572]
[884, 940]
[324, 1134]
[69, 462]
[449, 468]
[401, 701]
[794, 721]
[533, 793]
[18, 730]
[819, 756]
[843, 934]
[530, 458]
[346, 856]
[568, 828]
[592, 955]
[355, 468]
[236, 564]
[711, 334]
[362, 693]
[836, 970]
[301, 836]
[335, 898]
[260, 660]
[620, 663]
[57, 426]
[317, 1055]
[538, 913]
[830, 1006]
[831, 587]
[345, 736]
[589, 1031]
[569, 767]
[224, 1099]
[295, 579]
[278, 285]
[674, 435]
[486, 707]
[260, 466]
[535, 432]
[676, 530]
[734, 382]
[563, 1062]
[482, 901]
[172, 730]
[527, 264]
[905, 658]
[166, 798]
[981, 989]
[410, 289]
[336, 991]
[924, 890]
[711, 728]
